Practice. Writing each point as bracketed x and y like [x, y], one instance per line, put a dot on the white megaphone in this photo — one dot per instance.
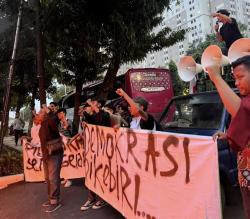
[239, 48]
[212, 56]
[188, 68]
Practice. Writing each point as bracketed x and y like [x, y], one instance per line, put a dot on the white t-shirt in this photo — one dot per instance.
[135, 123]
[18, 124]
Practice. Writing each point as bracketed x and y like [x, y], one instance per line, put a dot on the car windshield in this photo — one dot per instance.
[201, 112]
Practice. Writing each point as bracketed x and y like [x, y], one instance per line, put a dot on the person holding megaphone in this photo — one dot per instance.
[229, 31]
[238, 134]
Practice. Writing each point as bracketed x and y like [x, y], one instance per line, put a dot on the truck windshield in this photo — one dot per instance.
[201, 112]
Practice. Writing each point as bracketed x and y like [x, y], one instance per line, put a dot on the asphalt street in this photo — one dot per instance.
[23, 201]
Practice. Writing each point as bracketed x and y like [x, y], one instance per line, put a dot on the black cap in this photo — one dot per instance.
[223, 11]
[142, 102]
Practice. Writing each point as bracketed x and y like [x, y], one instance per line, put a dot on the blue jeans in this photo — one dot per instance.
[52, 168]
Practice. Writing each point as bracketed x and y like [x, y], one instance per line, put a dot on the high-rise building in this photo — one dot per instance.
[196, 16]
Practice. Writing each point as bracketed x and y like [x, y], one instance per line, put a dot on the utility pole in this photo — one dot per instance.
[10, 77]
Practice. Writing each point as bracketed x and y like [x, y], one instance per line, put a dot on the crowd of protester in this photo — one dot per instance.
[51, 122]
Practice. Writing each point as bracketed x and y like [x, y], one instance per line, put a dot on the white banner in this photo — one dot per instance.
[73, 160]
[153, 174]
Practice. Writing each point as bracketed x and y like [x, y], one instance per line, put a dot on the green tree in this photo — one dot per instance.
[60, 91]
[87, 37]
[180, 87]
[25, 75]
[129, 33]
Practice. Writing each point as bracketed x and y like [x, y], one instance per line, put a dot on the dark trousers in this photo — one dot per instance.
[93, 197]
[245, 193]
[18, 134]
[52, 168]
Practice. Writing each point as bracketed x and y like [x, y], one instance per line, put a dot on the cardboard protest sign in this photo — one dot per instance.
[153, 174]
[73, 160]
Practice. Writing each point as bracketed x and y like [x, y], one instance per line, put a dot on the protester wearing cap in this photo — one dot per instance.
[138, 109]
[229, 31]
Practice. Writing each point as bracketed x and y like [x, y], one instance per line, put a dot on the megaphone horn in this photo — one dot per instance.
[212, 56]
[238, 49]
[188, 68]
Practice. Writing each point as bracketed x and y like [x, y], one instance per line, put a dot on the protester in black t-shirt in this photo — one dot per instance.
[229, 31]
[138, 109]
[93, 114]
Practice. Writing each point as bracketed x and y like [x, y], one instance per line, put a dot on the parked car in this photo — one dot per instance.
[204, 114]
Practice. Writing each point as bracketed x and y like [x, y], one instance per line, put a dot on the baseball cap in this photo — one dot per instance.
[223, 11]
[142, 102]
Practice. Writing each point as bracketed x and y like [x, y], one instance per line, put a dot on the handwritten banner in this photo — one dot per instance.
[153, 174]
[73, 160]
[140, 173]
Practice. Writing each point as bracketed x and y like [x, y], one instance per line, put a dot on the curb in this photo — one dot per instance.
[8, 180]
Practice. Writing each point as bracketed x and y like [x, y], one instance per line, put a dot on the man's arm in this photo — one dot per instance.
[230, 99]
[132, 104]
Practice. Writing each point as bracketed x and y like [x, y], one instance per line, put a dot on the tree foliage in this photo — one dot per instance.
[25, 75]
[130, 30]
[180, 87]
[84, 38]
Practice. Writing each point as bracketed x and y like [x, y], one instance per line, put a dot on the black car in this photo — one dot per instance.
[203, 114]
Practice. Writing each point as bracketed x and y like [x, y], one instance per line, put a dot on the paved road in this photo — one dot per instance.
[23, 201]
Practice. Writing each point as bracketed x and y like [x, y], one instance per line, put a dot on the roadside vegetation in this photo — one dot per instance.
[11, 162]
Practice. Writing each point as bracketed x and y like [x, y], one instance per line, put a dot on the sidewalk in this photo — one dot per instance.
[10, 141]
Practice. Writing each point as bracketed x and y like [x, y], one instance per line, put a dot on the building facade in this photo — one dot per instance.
[196, 16]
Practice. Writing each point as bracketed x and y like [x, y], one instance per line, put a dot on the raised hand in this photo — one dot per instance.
[120, 92]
